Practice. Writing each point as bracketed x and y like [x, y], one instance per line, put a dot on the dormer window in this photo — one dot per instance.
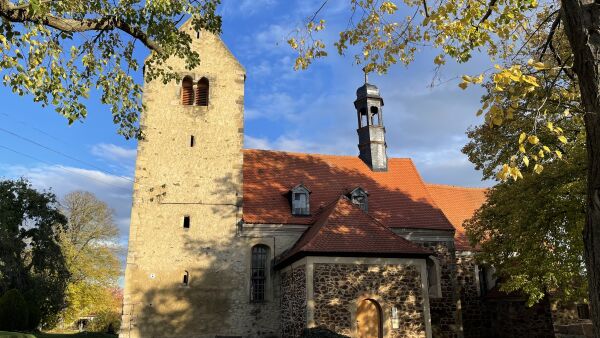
[300, 200]
[359, 197]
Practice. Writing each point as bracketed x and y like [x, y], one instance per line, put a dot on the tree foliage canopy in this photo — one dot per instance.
[57, 51]
[529, 230]
[89, 245]
[30, 257]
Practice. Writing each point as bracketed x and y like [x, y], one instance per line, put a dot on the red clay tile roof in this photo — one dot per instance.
[397, 198]
[458, 204]
[343, 228]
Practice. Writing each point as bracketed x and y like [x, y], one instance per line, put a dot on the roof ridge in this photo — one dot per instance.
[323, 208]
[378, 222]
[454, 186]
[324, 213]
[317, 154]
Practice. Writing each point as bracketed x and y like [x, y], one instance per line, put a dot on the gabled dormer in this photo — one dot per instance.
[300, 200]
[360, 197]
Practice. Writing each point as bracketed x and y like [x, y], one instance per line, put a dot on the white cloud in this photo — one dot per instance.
[270, 40]
[116, 191]
[113, 152]
[275, 106]
[256, 142]
[299, 144]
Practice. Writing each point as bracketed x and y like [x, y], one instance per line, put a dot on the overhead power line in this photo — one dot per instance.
[25, 123]
[63, 167]
[63, 154]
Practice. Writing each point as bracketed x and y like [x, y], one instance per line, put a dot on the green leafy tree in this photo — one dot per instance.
[383, 33]
[57, 51]
[89, 245]
[30, 257]
[536, 246]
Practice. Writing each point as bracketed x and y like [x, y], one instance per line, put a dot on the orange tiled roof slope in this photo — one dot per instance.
[458, 204]
[343, 228]
[397, 198]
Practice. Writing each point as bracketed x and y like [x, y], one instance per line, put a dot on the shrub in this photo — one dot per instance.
[320, 332]
[14, 314]
[107, 322]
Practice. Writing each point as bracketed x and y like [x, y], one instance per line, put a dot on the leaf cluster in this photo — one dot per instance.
[59, 51]
[388, 32]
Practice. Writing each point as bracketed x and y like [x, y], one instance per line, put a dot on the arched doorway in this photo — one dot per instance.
[368, 319]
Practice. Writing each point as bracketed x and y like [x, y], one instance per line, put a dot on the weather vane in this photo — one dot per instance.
[366, 74]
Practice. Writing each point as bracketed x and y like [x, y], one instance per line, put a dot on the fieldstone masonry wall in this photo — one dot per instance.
[338, 287]
[472, 308]
[293, 301]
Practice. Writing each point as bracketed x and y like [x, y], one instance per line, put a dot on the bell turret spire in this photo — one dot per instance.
[371, 132]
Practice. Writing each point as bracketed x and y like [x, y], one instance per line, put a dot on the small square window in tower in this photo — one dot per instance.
[186, 222]
[192, 141]
[186, 278]
[300, 200]
[359, 197]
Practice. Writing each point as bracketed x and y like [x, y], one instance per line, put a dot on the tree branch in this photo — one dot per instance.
[22, 14]
[549, 43]
[318, 10]
[425, 8]
[551, 33]
[487, 13]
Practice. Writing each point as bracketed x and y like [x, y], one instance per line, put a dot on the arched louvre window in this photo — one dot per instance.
[202, 92]
[258, 274]
[187, 91]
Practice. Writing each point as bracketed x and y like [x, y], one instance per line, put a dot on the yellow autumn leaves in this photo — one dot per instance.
[517, 83]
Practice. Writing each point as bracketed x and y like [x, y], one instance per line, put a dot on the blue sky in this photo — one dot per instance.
[306, 111]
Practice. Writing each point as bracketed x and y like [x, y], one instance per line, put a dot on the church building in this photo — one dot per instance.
[233, 242]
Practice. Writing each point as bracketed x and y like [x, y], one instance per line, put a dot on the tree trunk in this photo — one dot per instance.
[581, 19]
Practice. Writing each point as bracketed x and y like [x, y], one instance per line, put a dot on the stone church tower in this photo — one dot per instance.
[184, 273]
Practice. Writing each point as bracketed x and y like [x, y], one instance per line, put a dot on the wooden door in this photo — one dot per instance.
[368, 320]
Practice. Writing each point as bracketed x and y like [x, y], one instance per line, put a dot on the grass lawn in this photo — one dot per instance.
[4, 334]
